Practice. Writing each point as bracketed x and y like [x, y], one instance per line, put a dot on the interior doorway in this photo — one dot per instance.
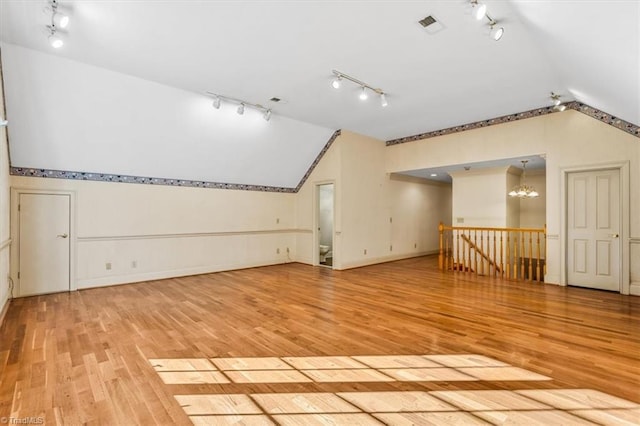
[325, 225]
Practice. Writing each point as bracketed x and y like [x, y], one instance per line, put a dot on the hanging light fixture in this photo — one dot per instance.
[364, 87]
[496, 32]
[523, 190]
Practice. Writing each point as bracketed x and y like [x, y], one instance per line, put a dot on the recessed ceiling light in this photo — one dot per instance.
[433, 174]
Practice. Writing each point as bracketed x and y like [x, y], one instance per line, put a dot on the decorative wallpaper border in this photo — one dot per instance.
[106, 177]
[577, 106]
[318, 158]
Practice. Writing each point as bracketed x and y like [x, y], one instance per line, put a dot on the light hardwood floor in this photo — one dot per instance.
[292, 344]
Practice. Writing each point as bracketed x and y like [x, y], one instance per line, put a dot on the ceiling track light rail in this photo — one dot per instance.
[479, 11]
[242, 105]
[59, 21]
[363, 95]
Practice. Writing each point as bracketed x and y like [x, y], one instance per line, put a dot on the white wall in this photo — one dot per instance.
[169, 231]
[4, 211]
[67, 115]
[569, 139]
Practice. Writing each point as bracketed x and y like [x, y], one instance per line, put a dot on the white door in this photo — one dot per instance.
[44, 243]
[593, 225]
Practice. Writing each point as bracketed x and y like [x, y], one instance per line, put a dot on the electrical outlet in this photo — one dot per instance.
[134, 264]
[277, 251]
[107, 266]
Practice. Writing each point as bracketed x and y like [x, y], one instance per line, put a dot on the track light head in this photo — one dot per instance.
[267, 115]
[496, 32]
[336, 83]
[383, 100]
[557, 102]
[217, 102]
[479, 10]
[363, 94]
[60, 20]
[55, 40]
[240, 109]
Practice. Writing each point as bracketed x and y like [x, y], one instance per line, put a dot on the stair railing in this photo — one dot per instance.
[512, 253]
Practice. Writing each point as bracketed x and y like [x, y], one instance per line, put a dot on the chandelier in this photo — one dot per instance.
[523, 190]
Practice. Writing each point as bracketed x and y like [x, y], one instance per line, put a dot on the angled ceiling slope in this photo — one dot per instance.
[160, 57]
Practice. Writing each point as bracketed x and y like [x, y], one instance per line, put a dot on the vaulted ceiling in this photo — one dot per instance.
[587, 51]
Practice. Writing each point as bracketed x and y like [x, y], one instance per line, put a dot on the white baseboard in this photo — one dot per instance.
[634, 288]
[552, 279]
[384, 259]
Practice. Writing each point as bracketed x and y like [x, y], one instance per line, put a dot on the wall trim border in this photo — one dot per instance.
[602, 116]
[120, 178]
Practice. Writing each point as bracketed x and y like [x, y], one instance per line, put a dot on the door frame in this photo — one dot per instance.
[15, 232]
[316, 223]
[624, 240]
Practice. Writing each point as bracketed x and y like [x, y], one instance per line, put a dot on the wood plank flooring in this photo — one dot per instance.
[130, 354]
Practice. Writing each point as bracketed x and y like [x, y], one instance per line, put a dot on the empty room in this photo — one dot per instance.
[271, 212]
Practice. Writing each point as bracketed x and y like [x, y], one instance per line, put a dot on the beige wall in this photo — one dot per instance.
[569, 140]
[389, 217]
[169, 231]
[4, 210]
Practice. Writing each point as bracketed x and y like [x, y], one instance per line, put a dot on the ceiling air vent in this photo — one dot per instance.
[431, 24]
[274, 99]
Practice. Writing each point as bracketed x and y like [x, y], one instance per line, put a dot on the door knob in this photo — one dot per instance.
[614, 235]
[62, 235]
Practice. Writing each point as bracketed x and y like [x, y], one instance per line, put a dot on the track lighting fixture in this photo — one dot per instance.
[364, 87]
[242, 105]
[58, 20]
[557, 102]
[479, 11]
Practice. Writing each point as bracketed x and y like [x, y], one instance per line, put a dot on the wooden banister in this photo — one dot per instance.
[480, 252]
[512, 253]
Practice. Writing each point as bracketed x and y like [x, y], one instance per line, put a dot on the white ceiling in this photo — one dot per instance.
[253, 50]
